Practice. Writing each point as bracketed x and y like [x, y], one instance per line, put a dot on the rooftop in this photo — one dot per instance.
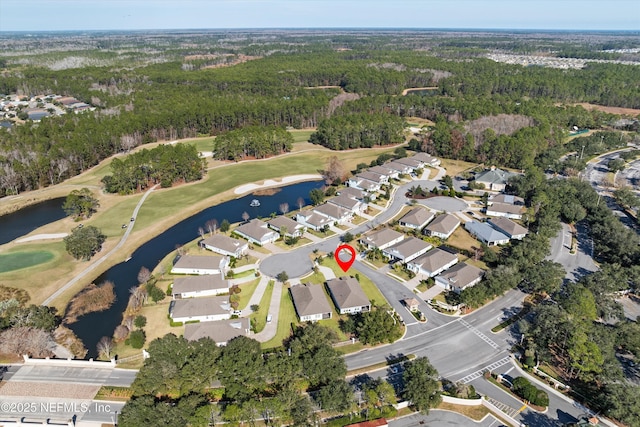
[199, 261]
[346, 291]
[508, 226]
[485, 232]
[417, 216]
[435, 259]
[199, 283]
[220, 331]
[283, 221]
[223, 242]
[381, 237]
[462, 274]
[408, 247]
[443, 224]
[255, 229]
[205, 306]
[309, 299]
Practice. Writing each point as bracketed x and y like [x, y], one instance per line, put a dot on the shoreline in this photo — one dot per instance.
[270, 183]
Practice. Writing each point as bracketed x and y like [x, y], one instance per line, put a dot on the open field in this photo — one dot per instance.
[454, 167]
[461, 239]
[611, 110]
[20, 260]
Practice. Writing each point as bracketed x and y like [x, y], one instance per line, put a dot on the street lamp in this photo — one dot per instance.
[115, 418]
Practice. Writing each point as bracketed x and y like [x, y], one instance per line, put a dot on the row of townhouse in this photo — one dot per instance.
[375, 177]
[311, 303]
[496, 231]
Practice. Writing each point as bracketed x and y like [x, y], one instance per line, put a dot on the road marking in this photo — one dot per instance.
[477, 374]
[523, 408]
[482, 336]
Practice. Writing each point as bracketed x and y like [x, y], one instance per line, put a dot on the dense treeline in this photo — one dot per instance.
[253, 141]
[165, 164]
[358, 130]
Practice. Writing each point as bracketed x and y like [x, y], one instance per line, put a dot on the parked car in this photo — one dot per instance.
[269, 318]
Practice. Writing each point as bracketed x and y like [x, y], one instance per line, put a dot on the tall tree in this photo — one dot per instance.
[421, 385]
[81, 204]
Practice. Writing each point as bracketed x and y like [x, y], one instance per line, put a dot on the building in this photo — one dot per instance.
[225, 245]
[286, 226]
[412, 163]
[433, 262]
[506, 210]
[407, 249]
[506, 198]
[511, 229]
[348, 296]
[426, 159]
[384, 171]
[373, 177]
[354, 193]
[443, 226]
[345, 202]
[200, 264]
[221, 331]
[494, 179]
[460, 277]
[399, 168]
[310, 302]
[416, 218]
[486, 233]
[308, 218]
[256, 231]
[381, 239]
[205, 309]
[334, 213]
[199, 286]
[412, 304]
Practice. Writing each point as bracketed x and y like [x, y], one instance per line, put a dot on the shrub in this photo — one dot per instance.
[120, 333]
[155, 292]
[137, 338]
[140, 321]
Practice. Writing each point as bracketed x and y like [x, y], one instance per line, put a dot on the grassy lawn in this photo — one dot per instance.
[477, 263]
[370, 289]
[157, 321]
[202, 144]
[242, 274]
[377, 262]
[357, 220]
[260, 317]
[313, 278]
[461, 239]
[302, 241]
[320, 234]
[20, 260]
[248, 260]
[474, 412]
[286, 317]
[400, 273]
[454, 167]
[350, 348]
[301, 135]
[422, 287]
[247, 290]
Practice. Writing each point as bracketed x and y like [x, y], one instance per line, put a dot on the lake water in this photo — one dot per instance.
[27, 219]
[91, 327]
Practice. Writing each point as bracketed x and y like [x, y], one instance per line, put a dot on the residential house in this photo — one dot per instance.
[384, 171]
[354, 193]
[412, 304]
[363, 184]
[506, 210]
[348, 296]
[494, 179]
[200, 264]
[286, 226]
[426, 159]
[225, 245]
[443, 226]
[345, 202]
[433, 262]
[400, 168]
[486, 233]
[506, 198]
[373, 177]
[381, 239]
[310, 302]
[334, 213]
[205, 309]
[407, 249]
[512, 229]
[460, 277]
[412, 163]
[416, 218]
[221, 331]
[199, 286]
[256, 231]
[308, 218]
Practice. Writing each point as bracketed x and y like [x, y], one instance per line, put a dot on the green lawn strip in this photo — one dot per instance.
[350, 348]
[110, 221]
[301, 135]
[202, 144]
[286, 317]
[513, 319]
[245, 260]
[247, 290]
[380, 365]
[357, 220]
[313, 278]
[23, 259]
[118, 394]
[300, 242]
[260, 316]
[370, 289]
[320, 234]
[242, 274]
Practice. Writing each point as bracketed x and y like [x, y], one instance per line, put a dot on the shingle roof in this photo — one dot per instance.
[199, 261]
[255, 229]
[220, 331]
[413, 163]
[223, 242]
[485, 232]
[434, 260]
[331, 210]
[381, 237]
[495, 176]
[424, 157]
[507, 198]
[346, 292]
[309, 299]
[315, 219]
[506, 208]
[354, 193]
[370, 176]
[417, 217]
[381, 170]
[408, 247]
[462, 274]
[283, 221]
[344, 201]
[507, 226]
[205, 306]
[199, 283]
[443, 224]
[399, 167]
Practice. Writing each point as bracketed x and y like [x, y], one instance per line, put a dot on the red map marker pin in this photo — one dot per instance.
[345, 264]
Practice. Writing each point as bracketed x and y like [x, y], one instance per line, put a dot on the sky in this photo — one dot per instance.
[60, 15]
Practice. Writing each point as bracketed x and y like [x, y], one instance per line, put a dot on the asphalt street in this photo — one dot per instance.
[579, 263]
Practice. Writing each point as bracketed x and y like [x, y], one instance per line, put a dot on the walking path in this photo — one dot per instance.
[257, 294]
[271, 328]
[99, 261]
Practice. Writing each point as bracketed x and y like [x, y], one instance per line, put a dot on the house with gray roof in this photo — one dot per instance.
[199, 286]
[384, 171]
[399, 167]
[286, 226]
[460, 277]
[494, 179]
[308, 218]
[486, 233]
[505, 210]
[256, 231]
[200, 264]
[412, 163]
[221, 331]
[348, 296]
[225, 245]
[506, 198]
[433, 262]
[443, 226]
[354, 193]
[416, 218]
[345, 202]
[310, 302]
[206, 309]
[381, 239]
[426, 159]
[373, 177]
[407, 249]
[334, 213]
[511, 229]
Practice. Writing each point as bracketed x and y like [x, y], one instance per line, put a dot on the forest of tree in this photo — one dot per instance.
[252, 141]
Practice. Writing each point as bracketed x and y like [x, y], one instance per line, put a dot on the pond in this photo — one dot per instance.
[27, 219]
[91, 327]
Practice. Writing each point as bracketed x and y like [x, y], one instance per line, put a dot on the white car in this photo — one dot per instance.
[269, 318]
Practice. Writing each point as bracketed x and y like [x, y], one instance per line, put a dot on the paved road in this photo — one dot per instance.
[578, 264]
[99, 261]
[71, 375]
[438, 418]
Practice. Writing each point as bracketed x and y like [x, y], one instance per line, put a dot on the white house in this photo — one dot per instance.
[200, 264]
[312, 220]
[509, 228]
[410, 162]
[257, 231]
[506, 198]
[494, 179]
[381, 239]
[345, 202]
[407, 249]
[310, 302]
[505, 210]
[283, 223]
[384, 171]
[443, 226]
[460, 277]
[416, 218]
[348, 296]
[363, 184]
[400, 168]
[486, 233]
[200, 309]
[373, 177]
[225, 245]
[334, 213]
[221, 331]
[426, 159]
[199, 286]
[433, 262]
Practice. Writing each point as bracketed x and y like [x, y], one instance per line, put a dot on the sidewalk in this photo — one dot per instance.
[257, 294]
[271, 328]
